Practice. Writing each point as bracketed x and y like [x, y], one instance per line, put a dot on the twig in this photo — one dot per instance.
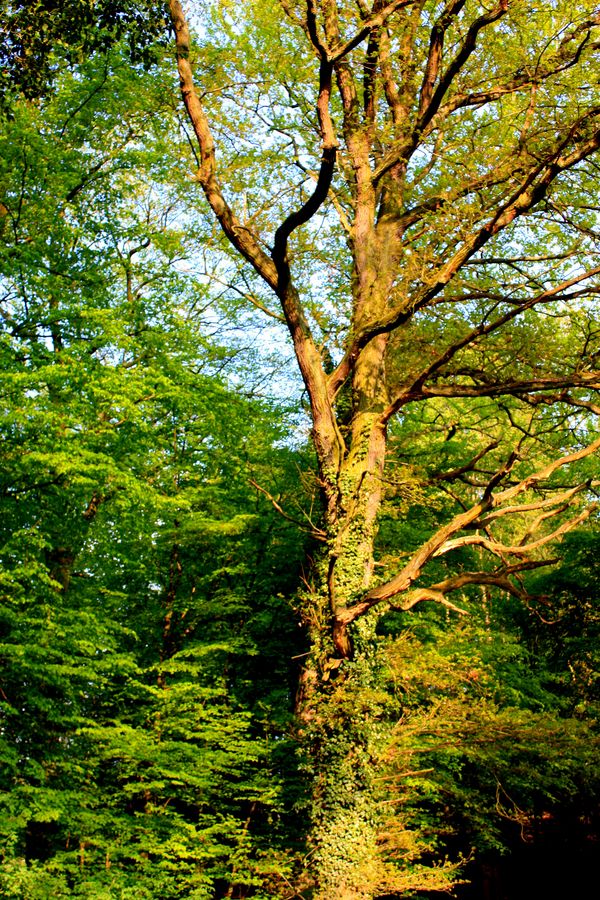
[314, 532]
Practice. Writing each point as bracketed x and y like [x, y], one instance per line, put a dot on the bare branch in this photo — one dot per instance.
[522, 550]
[374, 21]
[444, 540]
[423, 594]
[499, 578]
[482, 331]
[314, 532]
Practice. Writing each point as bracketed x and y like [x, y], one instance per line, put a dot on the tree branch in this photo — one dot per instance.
[241, 237]
[527, 195]
[443, 541]
[314, 532]
[482, 331]
[501, 389]
[499, 549]
[468, 467]
[436, 46]
[499, 578]
[374, 21]
[524, 79]
[319, 195]
[275, 271]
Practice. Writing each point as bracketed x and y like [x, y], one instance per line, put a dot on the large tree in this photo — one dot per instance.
[411, 188]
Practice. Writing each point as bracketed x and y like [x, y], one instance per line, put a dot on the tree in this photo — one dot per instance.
[422, 208]
[140, 569]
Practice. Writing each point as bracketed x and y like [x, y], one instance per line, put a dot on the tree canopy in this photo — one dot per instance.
[37, 37]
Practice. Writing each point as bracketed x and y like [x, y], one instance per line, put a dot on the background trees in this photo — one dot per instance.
[141, 571]
[37, 37]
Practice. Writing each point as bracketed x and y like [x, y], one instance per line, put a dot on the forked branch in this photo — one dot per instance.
[533, 187]
[499, 578]
[480, 516]
[274, 270]
[240, 236]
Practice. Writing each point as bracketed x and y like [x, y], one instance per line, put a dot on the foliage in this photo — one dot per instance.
[36, 37]
[485, 749]
[141, 571]
[234, 666]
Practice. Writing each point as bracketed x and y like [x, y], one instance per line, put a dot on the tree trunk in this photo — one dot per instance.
[340, 707]
[340, 729]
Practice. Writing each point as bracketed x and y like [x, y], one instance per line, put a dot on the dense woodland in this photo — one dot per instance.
[298, 499]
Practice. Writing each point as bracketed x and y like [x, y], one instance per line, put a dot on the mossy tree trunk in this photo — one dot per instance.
[343, 711]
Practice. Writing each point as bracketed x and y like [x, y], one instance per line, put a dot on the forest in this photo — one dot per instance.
[299, 393]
